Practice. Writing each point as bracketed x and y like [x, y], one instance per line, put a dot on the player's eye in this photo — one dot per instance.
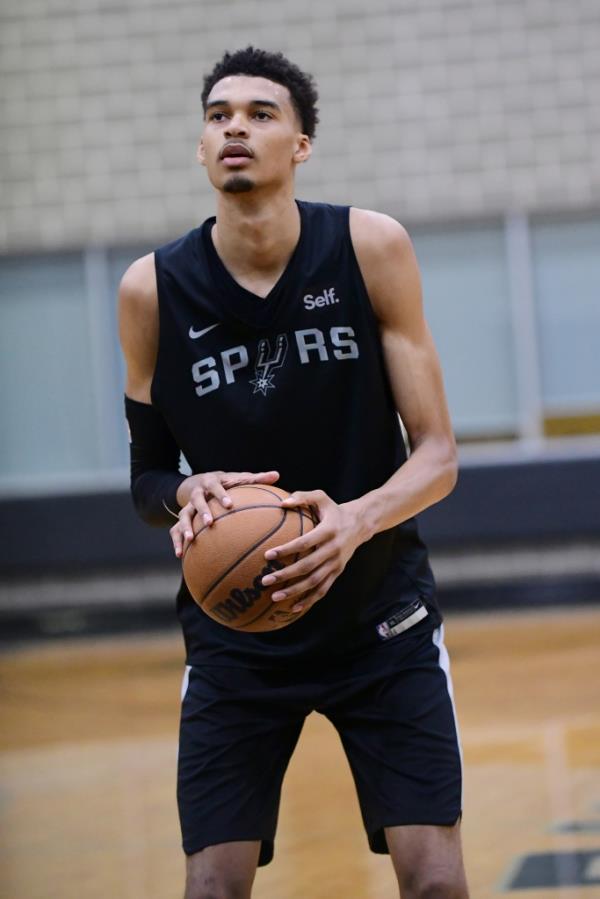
[216, 117]
[262, 116]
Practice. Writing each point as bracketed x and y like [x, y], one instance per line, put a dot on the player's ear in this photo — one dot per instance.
[303, 149]
[200, 155]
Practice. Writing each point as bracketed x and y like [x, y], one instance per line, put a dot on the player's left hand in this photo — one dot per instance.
[330, 545]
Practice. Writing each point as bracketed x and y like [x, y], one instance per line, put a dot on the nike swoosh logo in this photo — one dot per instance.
[195, 334]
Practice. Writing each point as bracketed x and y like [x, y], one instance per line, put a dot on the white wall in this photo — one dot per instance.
[430, 109]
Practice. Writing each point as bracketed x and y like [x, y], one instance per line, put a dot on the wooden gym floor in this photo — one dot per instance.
[88, 755]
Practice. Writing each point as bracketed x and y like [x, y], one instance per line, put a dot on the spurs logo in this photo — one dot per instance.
[309, 346]
[266, 363]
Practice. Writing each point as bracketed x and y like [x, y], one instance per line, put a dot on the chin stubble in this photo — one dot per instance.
[238, 184]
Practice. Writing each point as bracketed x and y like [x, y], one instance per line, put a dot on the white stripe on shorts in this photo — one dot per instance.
[444, 663]
[185, 681]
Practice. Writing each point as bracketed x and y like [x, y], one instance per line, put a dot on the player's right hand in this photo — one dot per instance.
[198, 489]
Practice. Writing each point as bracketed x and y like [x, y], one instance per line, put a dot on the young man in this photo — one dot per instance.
[277, 342]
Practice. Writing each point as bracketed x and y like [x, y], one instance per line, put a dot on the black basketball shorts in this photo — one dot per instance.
[392, 708]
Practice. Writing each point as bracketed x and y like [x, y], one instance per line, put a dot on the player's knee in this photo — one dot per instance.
[215, 885]
[438, 886]
[209, 893]
[228, 891]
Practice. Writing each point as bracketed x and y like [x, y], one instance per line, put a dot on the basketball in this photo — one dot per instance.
[224, 564]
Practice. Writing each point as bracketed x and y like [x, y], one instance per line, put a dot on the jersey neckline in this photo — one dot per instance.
[245, 305]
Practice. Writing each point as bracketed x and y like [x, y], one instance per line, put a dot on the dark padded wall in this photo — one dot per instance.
[491, 504]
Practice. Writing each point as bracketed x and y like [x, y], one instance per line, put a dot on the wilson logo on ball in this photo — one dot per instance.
[243, 598]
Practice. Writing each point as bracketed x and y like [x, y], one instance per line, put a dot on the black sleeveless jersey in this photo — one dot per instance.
[294, 382]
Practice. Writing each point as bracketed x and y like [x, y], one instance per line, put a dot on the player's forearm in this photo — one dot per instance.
[154, 464]
[425, 478]
[154, 497]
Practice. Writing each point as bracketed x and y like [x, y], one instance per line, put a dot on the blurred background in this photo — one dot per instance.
[476, 123]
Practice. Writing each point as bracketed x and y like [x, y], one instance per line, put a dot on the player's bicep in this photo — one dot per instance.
[416, 381]
[138, 326]
[391, 273]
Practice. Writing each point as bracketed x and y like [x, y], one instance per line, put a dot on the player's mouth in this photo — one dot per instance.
[235, 153]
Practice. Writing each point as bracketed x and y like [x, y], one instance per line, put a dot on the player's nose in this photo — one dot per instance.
[238, 125]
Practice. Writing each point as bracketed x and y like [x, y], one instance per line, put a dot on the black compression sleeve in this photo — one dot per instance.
[154, 460]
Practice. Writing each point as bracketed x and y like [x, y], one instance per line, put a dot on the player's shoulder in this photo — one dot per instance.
[377, 234]
[137, 289]
[139, 279]
[380, 242]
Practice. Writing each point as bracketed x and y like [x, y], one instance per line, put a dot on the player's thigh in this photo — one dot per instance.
[396, 721]
[428, 861]
[238, 730]
[225, 871]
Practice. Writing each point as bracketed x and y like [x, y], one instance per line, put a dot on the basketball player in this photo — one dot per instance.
[276, 342]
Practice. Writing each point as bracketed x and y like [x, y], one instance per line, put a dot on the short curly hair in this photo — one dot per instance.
[275, 67]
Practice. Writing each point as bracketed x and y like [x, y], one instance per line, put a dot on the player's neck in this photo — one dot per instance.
[256, 234]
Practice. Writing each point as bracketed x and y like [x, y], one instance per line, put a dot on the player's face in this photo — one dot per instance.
[252, 135]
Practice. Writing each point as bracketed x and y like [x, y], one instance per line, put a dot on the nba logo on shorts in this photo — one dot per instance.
[402, 620]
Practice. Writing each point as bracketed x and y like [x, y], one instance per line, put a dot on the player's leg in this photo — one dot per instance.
[395, 715]
[225, 871]
[238, 730]
[428, 861]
